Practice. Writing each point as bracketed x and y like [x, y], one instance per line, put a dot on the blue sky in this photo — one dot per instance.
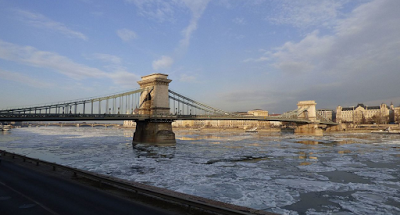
[235, 55]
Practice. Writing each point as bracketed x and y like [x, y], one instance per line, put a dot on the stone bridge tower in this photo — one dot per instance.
[308, 112]
[154, 100]
[308, 108]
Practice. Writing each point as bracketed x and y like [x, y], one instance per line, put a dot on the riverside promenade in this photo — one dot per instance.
[31, 186]
[25, 191]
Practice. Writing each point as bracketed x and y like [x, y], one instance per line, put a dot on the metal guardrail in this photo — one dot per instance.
[119, 183]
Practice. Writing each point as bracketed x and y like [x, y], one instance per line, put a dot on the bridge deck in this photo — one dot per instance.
[136, 117]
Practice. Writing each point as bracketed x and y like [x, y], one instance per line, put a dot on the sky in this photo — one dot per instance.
[236, 55]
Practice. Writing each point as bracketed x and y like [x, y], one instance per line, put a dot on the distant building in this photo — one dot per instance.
[129, 123]
[396, 114]
[363, 114]
[325, 114]
[258, 112]
[242, 124]
[241, 113]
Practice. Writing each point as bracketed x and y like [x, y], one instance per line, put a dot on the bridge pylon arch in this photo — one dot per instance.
[307, 110]
[155, 97]
[154, 100]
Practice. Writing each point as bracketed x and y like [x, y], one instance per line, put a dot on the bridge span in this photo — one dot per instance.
[154, 107]
[141, 117]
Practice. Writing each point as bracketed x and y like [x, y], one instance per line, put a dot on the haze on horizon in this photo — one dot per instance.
[233, 55]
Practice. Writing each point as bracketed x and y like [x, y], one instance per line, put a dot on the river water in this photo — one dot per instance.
[338, 173]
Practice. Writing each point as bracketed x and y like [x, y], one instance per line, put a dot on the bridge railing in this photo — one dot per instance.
[140, 117]
[61, 116]
[111, 104]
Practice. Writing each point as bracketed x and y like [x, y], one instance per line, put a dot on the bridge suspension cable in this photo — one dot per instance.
[294, 114]
[182, 105]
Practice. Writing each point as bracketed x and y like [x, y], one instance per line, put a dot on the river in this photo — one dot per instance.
[340, 173]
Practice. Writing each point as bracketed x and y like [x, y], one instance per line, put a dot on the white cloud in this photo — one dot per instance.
[187, 78]
[368, 37]
[164, 63]
[302, 56]
[126, 34]
[362, 53]
[54, 62]
[197, 8]
[159, 10]
[308, 13]
[39, 21]
[239, 21]
[164, 11]
[293, 67]
[21, 78]
[124, 78]
[33, 57]
[260, 59]
[107, 58]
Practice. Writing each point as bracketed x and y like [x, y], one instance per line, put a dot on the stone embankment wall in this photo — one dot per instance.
[238, 124]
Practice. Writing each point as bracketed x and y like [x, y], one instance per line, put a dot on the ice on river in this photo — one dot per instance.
[289, 174]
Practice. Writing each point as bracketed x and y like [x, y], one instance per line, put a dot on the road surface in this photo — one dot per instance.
[25, 191]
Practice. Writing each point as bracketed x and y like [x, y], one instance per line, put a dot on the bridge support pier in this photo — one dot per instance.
[157, 133]
[308, 129]
[154, 101]
[340, 127]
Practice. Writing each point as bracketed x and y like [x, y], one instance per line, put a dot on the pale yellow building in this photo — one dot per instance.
[363, 114]
[129, 123]
[258, 112]
[396, 114]
[242, 124]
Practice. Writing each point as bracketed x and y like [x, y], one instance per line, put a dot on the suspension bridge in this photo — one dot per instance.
[153, 107]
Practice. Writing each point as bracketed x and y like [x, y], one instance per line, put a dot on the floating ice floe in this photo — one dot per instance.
[263, 172]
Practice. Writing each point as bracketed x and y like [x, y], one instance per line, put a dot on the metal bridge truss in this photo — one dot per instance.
[294, 114]
[182, 105]
[125, 105]
[121, 103]
[322, 118]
